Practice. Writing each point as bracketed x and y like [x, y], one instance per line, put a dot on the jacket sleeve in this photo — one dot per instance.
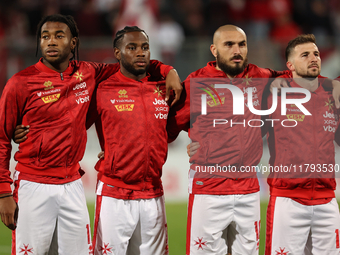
[179, 115]
[275, 74]
[158, 69]
[104, 71]
[12, 103]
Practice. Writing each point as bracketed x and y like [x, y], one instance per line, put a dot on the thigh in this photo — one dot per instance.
[115, 222]
[325, 229]
[74, 236]
[288, 226]
[37, 216]
[150, 235]
[245, 231]
[208, 217]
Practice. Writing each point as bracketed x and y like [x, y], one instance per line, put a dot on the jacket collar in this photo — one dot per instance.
[123, 78]
[42, 67]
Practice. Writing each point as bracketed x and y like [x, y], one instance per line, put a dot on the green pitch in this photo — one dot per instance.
[176, 216]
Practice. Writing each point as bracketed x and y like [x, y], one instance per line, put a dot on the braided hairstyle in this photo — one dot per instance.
[69, 21]
[121, 33]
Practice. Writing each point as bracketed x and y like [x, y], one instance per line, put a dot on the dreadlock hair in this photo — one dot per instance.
[301, 39]
[69, 21]
[121, 33]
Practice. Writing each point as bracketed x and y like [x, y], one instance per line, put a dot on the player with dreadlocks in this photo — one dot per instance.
[52, 97]
[130, 214]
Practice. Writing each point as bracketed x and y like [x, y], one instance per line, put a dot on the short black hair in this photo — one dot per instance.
[301, 39]
[121, 33]
[66, 19]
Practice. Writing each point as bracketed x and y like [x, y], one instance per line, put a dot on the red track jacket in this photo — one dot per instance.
[237, 145]
[307, 150]
[131, 128]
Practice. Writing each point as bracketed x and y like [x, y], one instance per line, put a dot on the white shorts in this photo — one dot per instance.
[130, 226]
[294, 228]
[218, 224]
[52, 219]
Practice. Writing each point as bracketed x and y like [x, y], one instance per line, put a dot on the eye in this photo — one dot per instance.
[131, 47]
[242, 44]
[145, 47]
[60, 36]
[45, 37]
[229, 44]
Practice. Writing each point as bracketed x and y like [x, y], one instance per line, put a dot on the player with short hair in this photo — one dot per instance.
[224, 209]
[52, 97]
[130, 214]
[303, 214]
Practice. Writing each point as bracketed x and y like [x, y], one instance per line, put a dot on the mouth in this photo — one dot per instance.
[52, 53]
[313, 66]
[237, 59]
[140, 63]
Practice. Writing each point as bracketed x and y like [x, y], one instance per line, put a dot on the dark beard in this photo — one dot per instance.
[129, 67]
[232, 71]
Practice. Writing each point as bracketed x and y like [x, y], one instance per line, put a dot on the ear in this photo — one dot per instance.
[74, 42]
[290, 66]
[213, 50]
[117, 53]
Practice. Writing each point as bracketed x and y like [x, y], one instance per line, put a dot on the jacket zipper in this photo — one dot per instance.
[241, 140]
[146, 137]
[315, 154]
[62, 76]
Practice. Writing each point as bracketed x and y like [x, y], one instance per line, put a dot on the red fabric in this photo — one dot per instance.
[190, 204]
[96, 220]
[224, 145]
[269, 225]
[132, 131]
[310, 142]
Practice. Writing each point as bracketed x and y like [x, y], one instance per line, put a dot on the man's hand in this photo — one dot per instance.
[192, 148]
[101, 155]
[336, 93]
[278, 83]
[8, 211]
[173, 82]
[20, 133]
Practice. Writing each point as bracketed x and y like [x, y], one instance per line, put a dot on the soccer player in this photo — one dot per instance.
[224, 210]
[303, 214]
[52, 97]
[131, 127]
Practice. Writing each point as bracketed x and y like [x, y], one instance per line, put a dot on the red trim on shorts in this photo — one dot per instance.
[15, 197]
[96, 217]
[269, 227]
[190, 203]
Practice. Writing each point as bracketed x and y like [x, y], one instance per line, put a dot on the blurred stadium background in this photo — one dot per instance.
[180, 35]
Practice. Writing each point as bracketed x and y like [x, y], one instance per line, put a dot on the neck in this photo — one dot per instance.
[132, 76]
[61, 67]
[308, 83]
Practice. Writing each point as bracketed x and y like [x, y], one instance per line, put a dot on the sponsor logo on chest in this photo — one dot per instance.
[330, 117]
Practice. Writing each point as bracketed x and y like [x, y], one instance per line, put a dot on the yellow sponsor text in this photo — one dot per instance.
[124, 107]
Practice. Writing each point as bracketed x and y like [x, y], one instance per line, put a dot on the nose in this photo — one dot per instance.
[314, 58]
[52, 41]
[236, 49]
[140, 52]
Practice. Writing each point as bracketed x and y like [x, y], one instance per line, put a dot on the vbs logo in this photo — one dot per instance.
[238, 103]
